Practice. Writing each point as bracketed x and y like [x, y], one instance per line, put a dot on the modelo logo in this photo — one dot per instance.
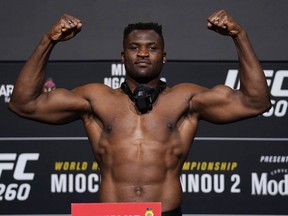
[275, 80]
[9, 162]
[263, 186]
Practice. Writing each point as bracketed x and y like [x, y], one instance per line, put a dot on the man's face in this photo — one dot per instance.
[143, 55]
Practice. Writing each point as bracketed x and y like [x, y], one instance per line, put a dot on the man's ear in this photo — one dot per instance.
[122, 57]
[164, 58]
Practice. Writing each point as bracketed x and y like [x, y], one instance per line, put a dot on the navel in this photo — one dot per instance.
[138, 191]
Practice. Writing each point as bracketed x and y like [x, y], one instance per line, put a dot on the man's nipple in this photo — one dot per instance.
[109, 128]
[170, 125]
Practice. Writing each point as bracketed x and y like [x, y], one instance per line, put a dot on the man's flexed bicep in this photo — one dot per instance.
[222, 104]
[27, 99]
[56, 107]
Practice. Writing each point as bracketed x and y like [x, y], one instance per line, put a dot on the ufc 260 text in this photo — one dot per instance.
[13, 164]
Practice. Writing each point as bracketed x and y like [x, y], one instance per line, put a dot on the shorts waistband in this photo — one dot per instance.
[174, 212]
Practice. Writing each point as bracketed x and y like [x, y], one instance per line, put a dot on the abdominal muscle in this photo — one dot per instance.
[140, 171]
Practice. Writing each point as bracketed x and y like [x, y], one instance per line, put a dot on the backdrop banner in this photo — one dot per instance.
[238, 168]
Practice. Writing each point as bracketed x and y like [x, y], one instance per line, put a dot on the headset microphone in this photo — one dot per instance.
[144, 96]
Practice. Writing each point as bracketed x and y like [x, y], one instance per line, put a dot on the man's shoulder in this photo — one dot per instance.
[95, 87]
[187, 87]
[94, 90]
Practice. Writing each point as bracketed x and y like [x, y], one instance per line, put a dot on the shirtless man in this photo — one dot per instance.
[141, 146]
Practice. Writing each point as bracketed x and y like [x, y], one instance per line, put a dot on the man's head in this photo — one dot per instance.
[143, 26]
[143, 52]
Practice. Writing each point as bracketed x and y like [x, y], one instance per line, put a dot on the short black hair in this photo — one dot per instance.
[143, 26]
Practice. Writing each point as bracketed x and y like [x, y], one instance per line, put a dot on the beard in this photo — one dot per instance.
[143, 74]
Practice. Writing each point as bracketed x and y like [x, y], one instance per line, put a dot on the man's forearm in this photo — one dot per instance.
[252, 78]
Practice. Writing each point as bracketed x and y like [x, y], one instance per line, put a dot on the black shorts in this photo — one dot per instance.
[174, 212]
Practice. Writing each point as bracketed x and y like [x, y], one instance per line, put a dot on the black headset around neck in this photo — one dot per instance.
[144, 95]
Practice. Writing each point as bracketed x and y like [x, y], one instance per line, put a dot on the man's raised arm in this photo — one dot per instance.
[222, 104]
[27, 99]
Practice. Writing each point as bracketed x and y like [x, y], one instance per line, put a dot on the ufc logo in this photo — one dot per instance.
[9, 161]
[275, 80]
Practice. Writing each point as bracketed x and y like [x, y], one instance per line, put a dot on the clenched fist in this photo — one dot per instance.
[223, 23]
[66, 28]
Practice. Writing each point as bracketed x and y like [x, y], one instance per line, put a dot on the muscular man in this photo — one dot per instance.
[142, 145]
